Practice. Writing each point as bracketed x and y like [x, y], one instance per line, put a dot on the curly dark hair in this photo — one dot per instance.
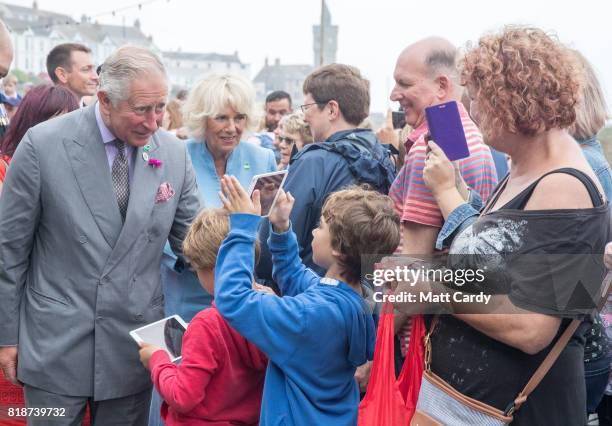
[360, 222]
[524, 80]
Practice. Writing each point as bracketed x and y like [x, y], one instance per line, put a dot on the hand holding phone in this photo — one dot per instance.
[446, 130]
[166, 334]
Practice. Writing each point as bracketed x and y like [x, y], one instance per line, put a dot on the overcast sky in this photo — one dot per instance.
[371, 33]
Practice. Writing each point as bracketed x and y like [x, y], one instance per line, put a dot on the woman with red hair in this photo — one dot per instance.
[40, 104]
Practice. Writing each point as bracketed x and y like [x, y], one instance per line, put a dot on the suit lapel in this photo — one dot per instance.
[90, 166]
[143, 190]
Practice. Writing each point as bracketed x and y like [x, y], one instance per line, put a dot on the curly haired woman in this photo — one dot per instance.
[524, 86]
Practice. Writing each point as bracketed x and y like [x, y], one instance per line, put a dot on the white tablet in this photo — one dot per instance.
[269, 185]
[166, 333]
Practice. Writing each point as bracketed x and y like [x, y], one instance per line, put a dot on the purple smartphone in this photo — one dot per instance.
[446, 130]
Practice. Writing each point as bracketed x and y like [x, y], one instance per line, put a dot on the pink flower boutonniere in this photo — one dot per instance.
[154, 162]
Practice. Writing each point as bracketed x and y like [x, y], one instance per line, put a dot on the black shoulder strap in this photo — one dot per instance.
[520, 201]
[496, 194]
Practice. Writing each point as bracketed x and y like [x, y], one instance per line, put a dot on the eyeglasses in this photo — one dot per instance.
[224, 120]
[287, 140]
[306, 106]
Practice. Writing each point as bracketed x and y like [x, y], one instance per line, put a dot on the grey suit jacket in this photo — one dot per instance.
[74, 280]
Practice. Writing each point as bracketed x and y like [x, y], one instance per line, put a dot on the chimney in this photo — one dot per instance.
[83, 19]
[137, 23]
[277, 62]
[266, 62]
[35, 5]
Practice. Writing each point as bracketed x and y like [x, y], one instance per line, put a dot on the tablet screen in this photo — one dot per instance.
[268, 190]
[167, 334]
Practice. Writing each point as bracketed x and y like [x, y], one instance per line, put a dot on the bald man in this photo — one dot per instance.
[425, 75]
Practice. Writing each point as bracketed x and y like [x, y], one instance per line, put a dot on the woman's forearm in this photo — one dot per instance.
[448, 201]
[528, 332]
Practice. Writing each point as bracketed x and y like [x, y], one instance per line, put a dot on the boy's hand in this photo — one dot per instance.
[146, 352]
[362, 375]
[279, 215]
[236, 200]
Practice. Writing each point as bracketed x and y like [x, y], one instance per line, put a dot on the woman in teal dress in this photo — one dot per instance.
[217, 112]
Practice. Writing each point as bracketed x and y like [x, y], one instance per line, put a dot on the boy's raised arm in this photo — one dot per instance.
[274, 324]
[288, 270]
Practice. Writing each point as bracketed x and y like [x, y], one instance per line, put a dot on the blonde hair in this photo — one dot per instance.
[10, 78]
[591, 110]
[211, 95]
[176, 116]
[205, 236]
[294, 123]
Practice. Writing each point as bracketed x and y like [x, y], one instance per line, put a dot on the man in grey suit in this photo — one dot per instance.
[88, 203]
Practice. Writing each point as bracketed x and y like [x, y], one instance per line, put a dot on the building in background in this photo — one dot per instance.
[329, 38]
[289, 78]
[35, 32]
[187, 68]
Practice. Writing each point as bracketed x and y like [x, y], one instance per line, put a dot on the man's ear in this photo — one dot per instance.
[104, 101]
[334, 110]
[444, 86]
[61, 74]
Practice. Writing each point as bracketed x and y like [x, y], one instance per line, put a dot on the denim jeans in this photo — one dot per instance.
[596, 374]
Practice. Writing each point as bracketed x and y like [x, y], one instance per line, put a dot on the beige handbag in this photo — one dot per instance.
[439, 403]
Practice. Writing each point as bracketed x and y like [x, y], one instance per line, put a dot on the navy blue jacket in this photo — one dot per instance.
[348, 157]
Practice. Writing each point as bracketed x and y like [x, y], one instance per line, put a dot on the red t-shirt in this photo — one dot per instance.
[219, 380]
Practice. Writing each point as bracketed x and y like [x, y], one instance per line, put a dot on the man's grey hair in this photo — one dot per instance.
[442, 61]
[123, 66]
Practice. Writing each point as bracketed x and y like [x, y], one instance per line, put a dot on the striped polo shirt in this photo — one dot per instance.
[414, 202]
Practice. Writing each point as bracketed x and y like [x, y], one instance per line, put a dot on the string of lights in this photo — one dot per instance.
[113, 12]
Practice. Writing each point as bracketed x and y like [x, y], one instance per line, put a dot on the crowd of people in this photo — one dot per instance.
[120, 206]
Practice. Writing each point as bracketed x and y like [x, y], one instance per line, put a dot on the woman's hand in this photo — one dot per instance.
[279, 215]
[146, 352]
[439, 172]
[236, 200]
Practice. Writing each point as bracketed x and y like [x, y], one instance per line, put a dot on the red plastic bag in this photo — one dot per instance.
[409, 381]
[391, 402]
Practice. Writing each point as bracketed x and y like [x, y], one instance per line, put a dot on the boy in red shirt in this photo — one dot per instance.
[220, 378]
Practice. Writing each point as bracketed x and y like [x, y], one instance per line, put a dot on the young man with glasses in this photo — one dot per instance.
[336, 101]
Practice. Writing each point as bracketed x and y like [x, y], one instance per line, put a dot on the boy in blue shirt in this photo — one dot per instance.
[321, 330]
